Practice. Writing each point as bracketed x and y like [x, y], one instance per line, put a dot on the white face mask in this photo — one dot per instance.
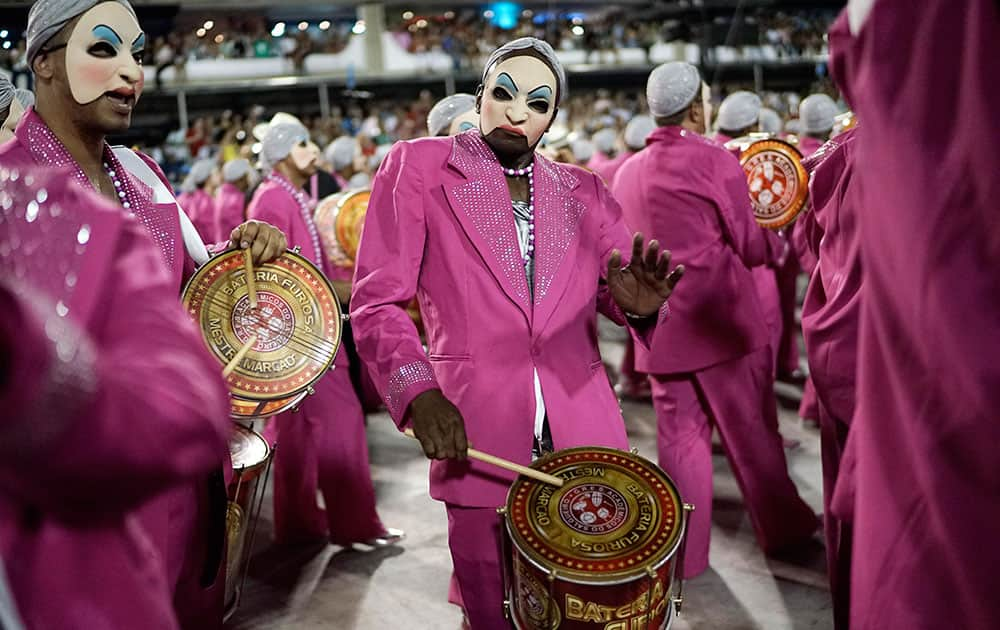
[103, 54]
[14, 114]
[519, 97]
[464, 122]
[305, 156]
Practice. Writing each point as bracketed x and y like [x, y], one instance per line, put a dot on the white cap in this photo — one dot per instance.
[793, 126]
[448, 109]
[277, 143]
[817, 113]
[739, 110]
[672, 87]
[770, 121]
[340, 153]
[637, 130]
[583, 150]
[260, 130]
[604, 140]
[359, 181]
[235, 169]
[201, 171]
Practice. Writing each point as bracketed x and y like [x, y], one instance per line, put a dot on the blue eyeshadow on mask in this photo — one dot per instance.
[108, 34]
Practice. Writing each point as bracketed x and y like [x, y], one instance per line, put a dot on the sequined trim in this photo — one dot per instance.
[401, 380]
[559, 215]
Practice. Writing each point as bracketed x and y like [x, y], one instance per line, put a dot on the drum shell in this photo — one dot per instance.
[244, 492]
[621, 605]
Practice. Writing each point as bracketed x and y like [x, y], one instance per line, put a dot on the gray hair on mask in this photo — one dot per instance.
[47, 17]
[535, 47]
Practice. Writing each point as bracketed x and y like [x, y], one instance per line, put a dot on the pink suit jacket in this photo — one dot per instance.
[923, 475]
[440, 226]
[88, 438]
[230, 208]
[691, 195]
[200, 208]
[609, 169]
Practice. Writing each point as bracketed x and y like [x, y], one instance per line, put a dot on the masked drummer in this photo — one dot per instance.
[110, 398]
[453, 114]
[84, 55]
[920, 474]
[323, 444]
[511, 257]
[710, 364]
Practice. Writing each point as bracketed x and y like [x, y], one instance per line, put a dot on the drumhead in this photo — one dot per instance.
[779, 184]
[326, 224]
[244, 408]
[616, 515]
[297, 322]
[248, 449]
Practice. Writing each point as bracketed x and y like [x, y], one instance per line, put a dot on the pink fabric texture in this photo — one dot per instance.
[229, 212]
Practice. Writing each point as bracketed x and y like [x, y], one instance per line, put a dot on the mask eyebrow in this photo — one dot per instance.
[506, 81]
[140, 42]
[105, 32]
[542, 91]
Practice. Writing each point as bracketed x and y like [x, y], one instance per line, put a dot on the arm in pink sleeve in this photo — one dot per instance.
[385, 281]
[753, 244]
[150, 409]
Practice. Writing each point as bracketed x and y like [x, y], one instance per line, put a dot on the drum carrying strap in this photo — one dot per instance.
[161, 194]
[8, 614]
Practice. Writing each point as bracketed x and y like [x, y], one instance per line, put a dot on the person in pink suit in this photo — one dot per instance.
[196, 200]
[84, 57]
[92, 340]
[231, 198]
[830, 317]
[920, 475]
[323, 445]
[634, 137]
[511, 257]
[605, 145]
[710, 364]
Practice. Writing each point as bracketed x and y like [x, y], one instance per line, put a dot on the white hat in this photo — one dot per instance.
[277, 143]
[260, 130]
[672, 87]
[604, 140]
[235, 169]
[583, 150]
[770, 121]
[448, 109]
[637, 130]
[359, 181]
[817, 112]
[739, 110]
[340, 153]
[47, 17]
[201, 171]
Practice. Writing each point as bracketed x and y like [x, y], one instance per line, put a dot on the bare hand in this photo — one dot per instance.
[644, 285]
[265, 241]
[439, 427]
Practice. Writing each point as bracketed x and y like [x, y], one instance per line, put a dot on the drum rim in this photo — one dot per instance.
[351, 194]
[668, 621]
[803, 176]
[656, 561]
[243, 470]
[323, 368]
[290, 403]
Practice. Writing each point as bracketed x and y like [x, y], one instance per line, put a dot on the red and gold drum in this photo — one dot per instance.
[779, 184]
[251, 458]
[340, 219]
[297, 322]
[246, 409]
[600, 552]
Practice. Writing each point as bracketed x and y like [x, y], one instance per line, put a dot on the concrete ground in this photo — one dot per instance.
[306, 588]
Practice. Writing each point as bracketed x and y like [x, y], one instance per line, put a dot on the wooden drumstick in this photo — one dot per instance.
[507, 465]
[251, 281]
[242, 352]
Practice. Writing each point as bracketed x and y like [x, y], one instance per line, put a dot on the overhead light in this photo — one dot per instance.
[209, 25]
[6, 45]
[324, 25]
[278, 30]
[303, 26]
[527, 13]
[4, 33]
[256, 148]
[488, 14]
[407, 15]
[577, 30]
[219, 38]
[200, 32]
[421, 23]
[359, 27]
[449, 15]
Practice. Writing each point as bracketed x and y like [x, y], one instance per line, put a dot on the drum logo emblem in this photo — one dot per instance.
[273, 322]
[773, 183]
[593, 509]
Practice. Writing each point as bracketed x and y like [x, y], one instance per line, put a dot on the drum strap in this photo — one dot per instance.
[8, 614]
[161, 194]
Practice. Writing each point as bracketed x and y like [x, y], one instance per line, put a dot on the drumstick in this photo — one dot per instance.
[242, 352]
[251, 282]
[508, 465]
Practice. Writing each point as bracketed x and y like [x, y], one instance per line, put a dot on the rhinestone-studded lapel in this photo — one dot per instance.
[483, 207]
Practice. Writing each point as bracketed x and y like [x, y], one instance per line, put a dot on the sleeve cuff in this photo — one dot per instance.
[405, 384]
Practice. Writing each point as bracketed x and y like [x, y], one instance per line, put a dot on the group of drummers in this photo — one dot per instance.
[142, 427]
